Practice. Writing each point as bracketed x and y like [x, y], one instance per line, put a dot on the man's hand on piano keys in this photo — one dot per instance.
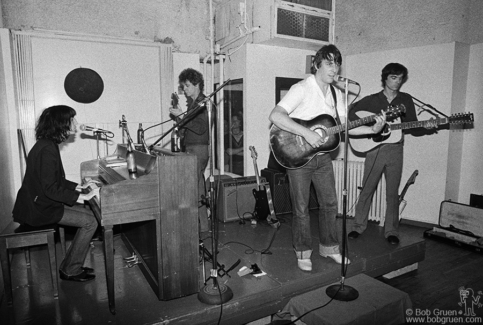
[90, 184]
[89, 195]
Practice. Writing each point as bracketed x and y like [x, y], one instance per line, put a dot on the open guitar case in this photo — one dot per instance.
[459, 224]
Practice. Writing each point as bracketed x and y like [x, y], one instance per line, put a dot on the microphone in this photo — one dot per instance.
[342, 79]
[84, 127]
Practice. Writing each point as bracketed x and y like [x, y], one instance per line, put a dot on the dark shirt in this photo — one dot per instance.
[376, 102]
[45, 190]
[195, 131]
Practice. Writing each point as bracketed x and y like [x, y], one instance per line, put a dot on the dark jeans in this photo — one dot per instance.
[320, 172]
[82, 218]
[387, 159]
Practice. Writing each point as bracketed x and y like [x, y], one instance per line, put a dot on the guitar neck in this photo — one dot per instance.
[351, 124]
[255, 167]
[416, 124]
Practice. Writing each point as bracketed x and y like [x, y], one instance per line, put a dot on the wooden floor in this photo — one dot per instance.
[443, 269]
[446, 268]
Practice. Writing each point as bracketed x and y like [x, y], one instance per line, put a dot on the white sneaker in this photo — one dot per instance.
[303, 260]
[337, 258]
[304, 264]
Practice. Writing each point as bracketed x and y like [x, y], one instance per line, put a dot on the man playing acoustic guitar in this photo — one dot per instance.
[386, 156]
[306, 100]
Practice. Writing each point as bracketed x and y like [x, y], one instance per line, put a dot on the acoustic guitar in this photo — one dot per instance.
[392, 132]
[293, 151]
[263, 197]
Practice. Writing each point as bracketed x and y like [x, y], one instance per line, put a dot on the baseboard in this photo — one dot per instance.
[417, 223]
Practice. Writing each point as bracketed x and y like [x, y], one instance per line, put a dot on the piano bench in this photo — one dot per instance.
[23, 237]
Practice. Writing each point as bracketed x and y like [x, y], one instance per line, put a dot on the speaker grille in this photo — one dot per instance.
[297, 24]
[235, 198]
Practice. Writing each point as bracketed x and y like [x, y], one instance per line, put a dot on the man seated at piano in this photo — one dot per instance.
[46, 197]
[194, 128]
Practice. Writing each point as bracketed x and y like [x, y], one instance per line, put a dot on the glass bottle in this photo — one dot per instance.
[175, 140]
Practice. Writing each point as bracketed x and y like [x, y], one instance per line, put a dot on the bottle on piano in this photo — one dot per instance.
[140, 134]
[131, 163]
[175, 140]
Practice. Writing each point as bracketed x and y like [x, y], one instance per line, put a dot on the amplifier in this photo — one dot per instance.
[280, 190]
[235, 199]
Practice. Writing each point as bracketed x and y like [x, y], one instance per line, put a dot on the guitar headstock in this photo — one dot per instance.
[412, 179]
[174, 99]
[253, 151]
[461, 118]
[122, 122]
[393, 111]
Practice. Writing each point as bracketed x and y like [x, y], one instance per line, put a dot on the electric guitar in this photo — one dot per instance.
[174, 103]
[402, 202]
[392, 132]
[263, 197]
[293, 151]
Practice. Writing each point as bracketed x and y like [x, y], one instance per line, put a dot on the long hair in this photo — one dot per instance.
[328, 52]
[54, 123]
[393, 68]
[193, 76]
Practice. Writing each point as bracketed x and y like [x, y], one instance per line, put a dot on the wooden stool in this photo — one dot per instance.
[26, 236]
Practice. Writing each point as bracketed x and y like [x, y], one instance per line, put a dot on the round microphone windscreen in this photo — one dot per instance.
[82, 127]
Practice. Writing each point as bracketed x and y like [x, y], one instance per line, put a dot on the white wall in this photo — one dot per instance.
[263, 64]
[10, 159]
[131, 76]
[472, 158]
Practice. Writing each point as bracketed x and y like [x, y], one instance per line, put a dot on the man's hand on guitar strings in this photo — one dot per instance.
[430, 124]
[313, 138]
[380, 122]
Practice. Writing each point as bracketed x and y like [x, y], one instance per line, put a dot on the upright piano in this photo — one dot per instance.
[157, 210]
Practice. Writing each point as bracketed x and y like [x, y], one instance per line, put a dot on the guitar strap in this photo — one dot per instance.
[332, 89]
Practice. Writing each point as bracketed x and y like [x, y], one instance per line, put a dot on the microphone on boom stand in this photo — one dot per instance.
[213, 293]
[341, 291]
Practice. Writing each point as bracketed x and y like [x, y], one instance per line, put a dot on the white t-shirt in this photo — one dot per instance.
[305, 100]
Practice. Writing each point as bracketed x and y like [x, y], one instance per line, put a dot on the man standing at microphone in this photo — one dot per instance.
[386, 158]
[195, 130]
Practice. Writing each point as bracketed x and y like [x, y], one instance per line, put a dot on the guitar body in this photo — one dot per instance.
[262, 210]
[263, 198]
[364, 143]
[292, 151]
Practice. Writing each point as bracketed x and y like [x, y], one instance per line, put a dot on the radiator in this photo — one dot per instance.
[355, 172]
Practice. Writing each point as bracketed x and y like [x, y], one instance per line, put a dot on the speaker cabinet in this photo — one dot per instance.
[280, 190]
[235, 198]
[476, 201]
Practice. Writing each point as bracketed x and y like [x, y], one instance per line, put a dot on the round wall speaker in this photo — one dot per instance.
[84, 85]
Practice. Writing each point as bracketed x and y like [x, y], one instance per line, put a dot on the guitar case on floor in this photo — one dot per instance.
[459, 223]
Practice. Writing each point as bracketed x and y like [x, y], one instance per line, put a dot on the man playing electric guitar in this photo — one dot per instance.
[195, 127]
[385, 158]
[306, 100]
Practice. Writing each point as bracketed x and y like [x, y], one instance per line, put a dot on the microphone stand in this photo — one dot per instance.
[428, 105]
[340, 291]
[214, 293]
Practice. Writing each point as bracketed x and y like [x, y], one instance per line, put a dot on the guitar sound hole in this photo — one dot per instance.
[321, 131]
